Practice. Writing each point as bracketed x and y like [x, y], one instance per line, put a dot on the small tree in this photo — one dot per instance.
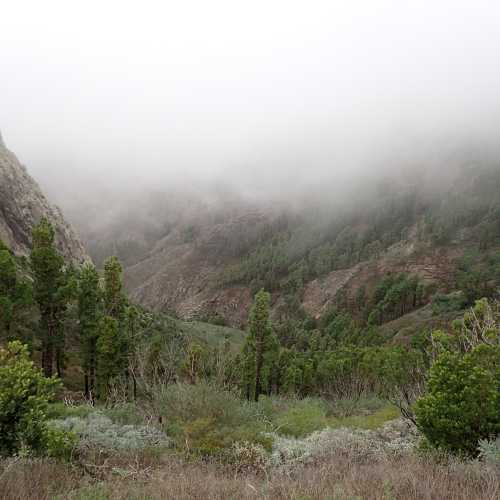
[24, 397]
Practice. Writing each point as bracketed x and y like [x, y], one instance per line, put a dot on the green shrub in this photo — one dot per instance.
[207, 420]
[60, 444]
[462, 405]
[24, 399]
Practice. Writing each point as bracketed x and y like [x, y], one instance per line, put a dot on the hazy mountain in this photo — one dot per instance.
[204, 256]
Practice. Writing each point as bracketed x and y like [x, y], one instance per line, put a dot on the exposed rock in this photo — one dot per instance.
[22, 205]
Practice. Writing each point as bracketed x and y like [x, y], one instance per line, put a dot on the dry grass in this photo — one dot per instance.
[409, 477]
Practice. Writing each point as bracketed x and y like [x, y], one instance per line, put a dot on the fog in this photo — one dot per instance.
[101, 99]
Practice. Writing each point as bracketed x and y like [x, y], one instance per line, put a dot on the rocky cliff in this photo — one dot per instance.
[22, 205]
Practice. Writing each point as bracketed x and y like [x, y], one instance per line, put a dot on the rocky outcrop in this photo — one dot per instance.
[22, 205]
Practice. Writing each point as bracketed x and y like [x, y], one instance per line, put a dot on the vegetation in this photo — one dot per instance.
[50, 293]
[24, 397]
[462, 402]
[293, 394]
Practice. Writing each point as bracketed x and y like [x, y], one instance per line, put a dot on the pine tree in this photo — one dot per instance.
[109, 352]
[50, 294]
[89, 313]
[113, 343]
[259, 351]
[114, 300]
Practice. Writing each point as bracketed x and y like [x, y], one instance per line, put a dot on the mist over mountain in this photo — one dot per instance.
[268, 100]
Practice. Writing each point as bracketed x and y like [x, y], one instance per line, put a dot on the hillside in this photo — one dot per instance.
[22, 205]
[198, 259]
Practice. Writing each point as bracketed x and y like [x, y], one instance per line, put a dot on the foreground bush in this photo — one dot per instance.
[96, 431]
[24, 397]
[462, 405]
[395, 437]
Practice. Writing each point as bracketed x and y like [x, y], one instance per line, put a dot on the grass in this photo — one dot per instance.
[298, 418]
[60, 410]
[335, 478]
[370, 422]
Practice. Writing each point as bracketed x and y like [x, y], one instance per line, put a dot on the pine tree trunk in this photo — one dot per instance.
[92, 370]
[48, 359]
[59, 362]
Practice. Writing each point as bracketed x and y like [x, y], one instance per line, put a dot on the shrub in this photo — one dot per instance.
[462, 404]
[489, 451]
[362, 445]
[24, 399]
[60, 444]
[207, 420]
[248, 457]
[98, 431]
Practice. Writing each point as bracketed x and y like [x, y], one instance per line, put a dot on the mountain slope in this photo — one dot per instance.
[315, 255]
[22, 205]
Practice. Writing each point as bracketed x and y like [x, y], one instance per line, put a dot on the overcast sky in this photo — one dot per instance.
[280, 90]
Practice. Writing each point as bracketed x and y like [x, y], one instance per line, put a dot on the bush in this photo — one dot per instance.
[24, 399]
[489, 451]
[462, 405]
[60, 444]
[395, 437]
[248, 457]
[207, 420]
[96, 431]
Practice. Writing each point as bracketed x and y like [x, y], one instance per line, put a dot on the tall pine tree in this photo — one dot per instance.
[89, 315]
[260, 350]
[113, 342]
[50, 295]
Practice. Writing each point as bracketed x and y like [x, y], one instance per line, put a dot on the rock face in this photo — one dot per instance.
[22, 205]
